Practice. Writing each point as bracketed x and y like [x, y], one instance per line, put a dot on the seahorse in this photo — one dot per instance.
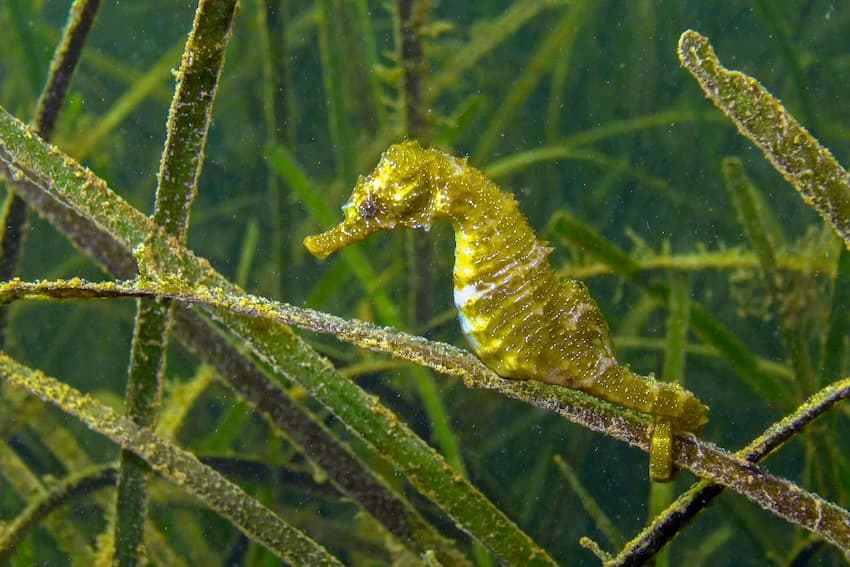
[519, 318]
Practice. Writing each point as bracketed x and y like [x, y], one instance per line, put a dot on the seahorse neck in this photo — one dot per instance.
[490, 231]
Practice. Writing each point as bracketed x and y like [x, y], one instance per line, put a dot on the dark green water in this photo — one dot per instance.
[580, 107]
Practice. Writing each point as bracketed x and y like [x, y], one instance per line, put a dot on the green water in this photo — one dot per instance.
[578, 108]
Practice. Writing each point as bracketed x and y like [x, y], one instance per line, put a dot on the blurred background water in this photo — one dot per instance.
[577, 106]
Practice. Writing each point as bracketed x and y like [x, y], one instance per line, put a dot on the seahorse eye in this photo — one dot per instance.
[368, 208]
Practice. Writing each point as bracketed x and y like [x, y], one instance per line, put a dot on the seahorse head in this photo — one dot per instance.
[398, 193]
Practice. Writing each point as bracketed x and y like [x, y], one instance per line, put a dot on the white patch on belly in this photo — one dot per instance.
[467, 329]
[464, 294]
[471, 293]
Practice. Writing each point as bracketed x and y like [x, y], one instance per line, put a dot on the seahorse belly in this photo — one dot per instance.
[507, 283]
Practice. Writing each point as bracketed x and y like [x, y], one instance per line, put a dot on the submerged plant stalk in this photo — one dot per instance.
[715, 465]
[667, 524]
[796, 154]
[77, 484]
[46, 174]
[177, 184]
[179, 466]
[15, 213]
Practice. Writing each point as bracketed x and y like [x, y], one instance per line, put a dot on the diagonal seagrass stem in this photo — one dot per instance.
[344, 469]
[65, 59]
[39, 170]
[20, 478]
[667, 524]
[175, 464]
[796, 154]
[713, 464]
[77, 484]
[15, 213]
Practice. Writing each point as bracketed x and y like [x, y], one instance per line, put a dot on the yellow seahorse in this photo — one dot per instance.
[519, 318]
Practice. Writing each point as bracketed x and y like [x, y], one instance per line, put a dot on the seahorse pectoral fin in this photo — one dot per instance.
[347, 232]
[661, 451]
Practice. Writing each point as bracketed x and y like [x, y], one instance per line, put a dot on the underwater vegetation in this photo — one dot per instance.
[230, 400]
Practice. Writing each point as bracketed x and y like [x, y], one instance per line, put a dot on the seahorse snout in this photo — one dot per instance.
[347, 232]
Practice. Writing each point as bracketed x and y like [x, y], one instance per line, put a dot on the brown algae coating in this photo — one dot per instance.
[518, 316]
